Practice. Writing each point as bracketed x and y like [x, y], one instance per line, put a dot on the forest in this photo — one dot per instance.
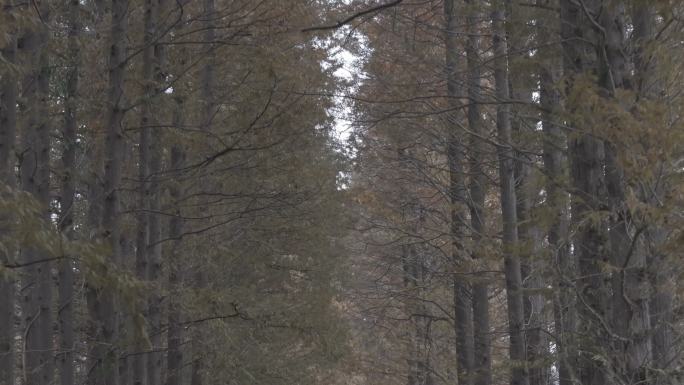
[341, 192]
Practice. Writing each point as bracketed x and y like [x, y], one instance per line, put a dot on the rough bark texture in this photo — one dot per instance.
[35, 175]
[661, 318]
[101, 300]
[67, 342]
[206, 116]
[416, 277]
[8, 128]
[631, 318]
[555, 171]
[174, 358]
[514, 289]
[482, 360]
[139, 361]
[154, 363]
[587, 157]
[175, 355]
[457, 193]
[522, 84]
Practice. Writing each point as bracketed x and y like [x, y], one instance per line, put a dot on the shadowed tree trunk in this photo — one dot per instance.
[154, 363]
[65, 313]
[630, 302]
[8, 129]
[661, 302]
[457, 191]
[555, 171]
[514, 289]
[415, 281]
[522, 84]
[174, 358]
[142, 250]
[35, 179]
[482, 363]
[207, 106]
[587, 158]
[101, 300]
[174, 363]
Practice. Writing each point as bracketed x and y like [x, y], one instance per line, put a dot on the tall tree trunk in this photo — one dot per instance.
[8, 128]
[457, 193]
[514, 293]
[522, 85]
[478, 181]
[174, 363]
[174, 358]
[555, 170]
[206, 117]
[587, 157]
[66, 269]
[419, 340]
[661, 302]
[142, 250]
[154, 364]
[631, 316]
[35, 176]
[102, 301]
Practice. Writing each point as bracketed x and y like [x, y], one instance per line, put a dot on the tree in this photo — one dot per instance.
[463, 317]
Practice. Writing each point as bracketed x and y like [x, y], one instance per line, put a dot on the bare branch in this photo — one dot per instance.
[353, 17]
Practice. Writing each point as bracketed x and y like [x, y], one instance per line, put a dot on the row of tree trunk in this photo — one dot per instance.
[110, 320]
[609, 323]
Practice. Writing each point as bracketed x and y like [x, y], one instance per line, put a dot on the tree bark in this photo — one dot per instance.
[555, 170]
[154, 364]
[174, 359]
[522, 84]
[35, 177]
[661, 303]
[139, 365]
[482, 364]
[8, 128]
[415, 281]
[102, 301]
[66, 269]
[457, 191]
[514, 294]
[206, 118]
[587, 157]
[174, 363]
[631, 315]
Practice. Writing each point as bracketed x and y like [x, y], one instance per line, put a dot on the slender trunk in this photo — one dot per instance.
[419, 340]
[631, 318]
[35, 175]
[522, 85]
[154, 364]
[8, 128]
[462, 304]
[587, 157]
[102, 302]
[514, 294]
[175, 354]
[554, 145]
[531, 267]
[661, 299]
[206, 117]
[174, 358]
[478, 182]
[142, 251]
[66, 268]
